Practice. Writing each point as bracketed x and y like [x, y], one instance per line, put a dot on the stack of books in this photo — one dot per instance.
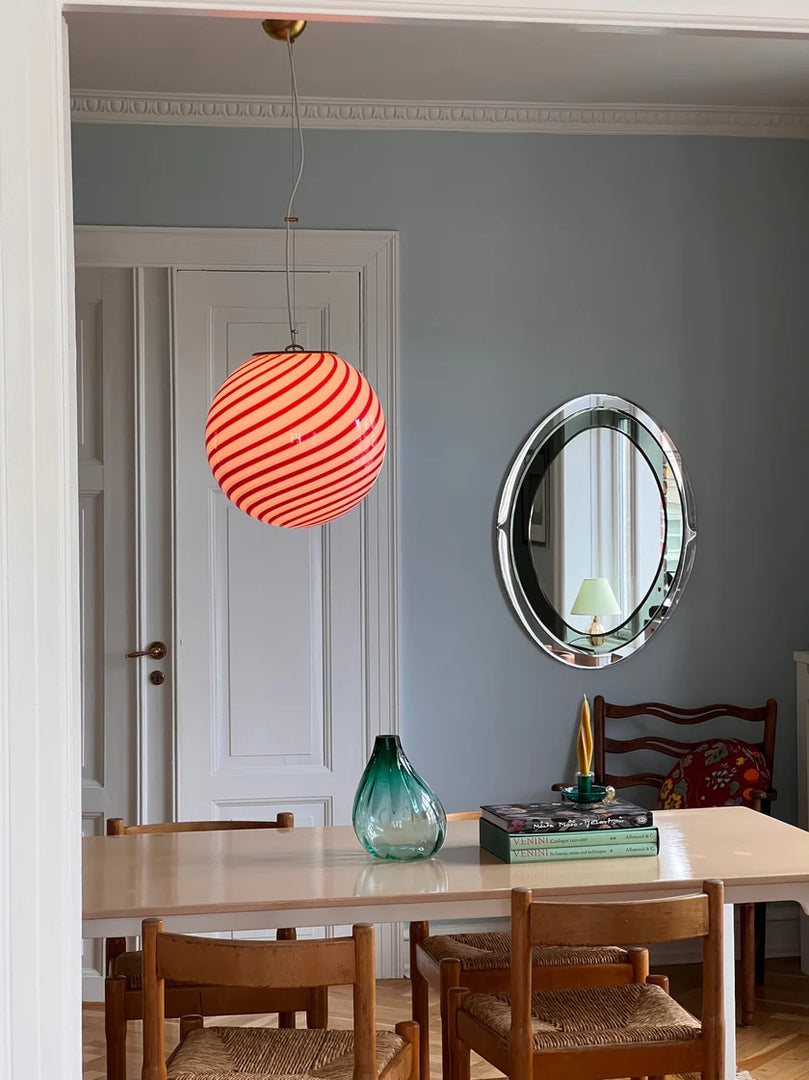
[546, 832]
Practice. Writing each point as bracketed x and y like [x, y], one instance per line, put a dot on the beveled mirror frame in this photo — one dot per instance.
[563, 424]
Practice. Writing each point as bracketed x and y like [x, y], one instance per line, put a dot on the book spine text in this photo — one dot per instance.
[582, 851]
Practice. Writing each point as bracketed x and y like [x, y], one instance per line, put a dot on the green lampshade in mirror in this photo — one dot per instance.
[595, 597]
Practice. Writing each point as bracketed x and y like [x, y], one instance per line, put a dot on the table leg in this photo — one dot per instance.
[729, 991]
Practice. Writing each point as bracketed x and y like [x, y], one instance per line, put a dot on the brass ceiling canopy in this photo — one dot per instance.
[280, 29]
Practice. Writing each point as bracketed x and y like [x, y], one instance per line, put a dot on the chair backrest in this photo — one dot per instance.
[635, 922]
[464, 815]
[664, 744]
[280, 964]
[116, 826]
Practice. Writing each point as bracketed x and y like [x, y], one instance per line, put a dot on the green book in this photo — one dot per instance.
[492, 835]
[498, 843]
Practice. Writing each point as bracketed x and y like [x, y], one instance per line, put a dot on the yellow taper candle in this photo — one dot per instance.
[584, 743]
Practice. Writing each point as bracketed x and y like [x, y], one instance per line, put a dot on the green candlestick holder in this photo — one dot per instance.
[585, 791]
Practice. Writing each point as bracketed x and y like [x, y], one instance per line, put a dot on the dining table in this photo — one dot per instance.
[261, 879]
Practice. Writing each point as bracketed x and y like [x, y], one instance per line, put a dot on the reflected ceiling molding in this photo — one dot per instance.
[119, 107]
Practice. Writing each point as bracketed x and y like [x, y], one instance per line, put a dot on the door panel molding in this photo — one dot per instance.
[91, 546]
[314, 811]
[316, 731]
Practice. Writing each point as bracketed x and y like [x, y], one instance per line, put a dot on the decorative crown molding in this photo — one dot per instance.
[117, 107]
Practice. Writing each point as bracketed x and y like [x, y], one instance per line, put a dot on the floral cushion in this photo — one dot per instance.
[721, 772]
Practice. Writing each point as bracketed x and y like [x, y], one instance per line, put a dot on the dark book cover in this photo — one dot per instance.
[495, 839]
[566, 817]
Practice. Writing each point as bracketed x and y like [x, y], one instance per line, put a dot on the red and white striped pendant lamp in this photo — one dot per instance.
[295, 438]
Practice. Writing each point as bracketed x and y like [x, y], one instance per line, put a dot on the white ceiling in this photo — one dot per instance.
[445, 62]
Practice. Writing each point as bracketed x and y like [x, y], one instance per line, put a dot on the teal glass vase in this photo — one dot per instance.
[396, 815]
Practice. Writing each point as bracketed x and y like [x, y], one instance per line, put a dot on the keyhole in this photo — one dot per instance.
[157, 678]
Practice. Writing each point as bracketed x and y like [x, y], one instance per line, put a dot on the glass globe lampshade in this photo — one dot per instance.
[295, 439]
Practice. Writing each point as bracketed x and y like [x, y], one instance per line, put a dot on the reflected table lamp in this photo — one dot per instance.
[595, 597]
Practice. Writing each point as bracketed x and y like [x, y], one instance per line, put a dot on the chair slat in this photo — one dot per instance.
[280, 964]
[116, 827]
[635, 923]
[657, 743]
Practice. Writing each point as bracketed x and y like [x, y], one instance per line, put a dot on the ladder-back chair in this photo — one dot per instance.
[674, 746]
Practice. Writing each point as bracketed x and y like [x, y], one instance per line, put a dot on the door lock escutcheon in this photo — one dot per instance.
[157, 678]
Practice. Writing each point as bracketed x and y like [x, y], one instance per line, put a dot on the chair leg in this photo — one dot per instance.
[286, 933]
[409, 1031]
[113, 948]
[761, 941]
[115, 1026]
[420, 997]
[639, 959]
[449, 976]
[458, 1065]
[663, 982]
[317, 1015]
[188, 1024]
[748, 963]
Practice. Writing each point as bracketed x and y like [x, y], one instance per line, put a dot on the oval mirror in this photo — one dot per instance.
[595, 530]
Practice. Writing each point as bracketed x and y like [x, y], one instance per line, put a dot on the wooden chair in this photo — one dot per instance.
[753, 916]
[263, 1053]
[481, 962]
[601, 1032]
[123, 998]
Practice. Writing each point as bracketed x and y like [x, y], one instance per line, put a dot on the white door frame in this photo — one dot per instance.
[374, 256]
[40, 858]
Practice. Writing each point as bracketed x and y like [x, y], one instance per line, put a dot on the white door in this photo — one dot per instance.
[286, 660]
[269, 622]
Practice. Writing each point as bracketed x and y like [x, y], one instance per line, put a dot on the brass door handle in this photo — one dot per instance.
[157, 650]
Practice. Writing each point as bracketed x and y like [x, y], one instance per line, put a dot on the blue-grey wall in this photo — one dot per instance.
[671, 271]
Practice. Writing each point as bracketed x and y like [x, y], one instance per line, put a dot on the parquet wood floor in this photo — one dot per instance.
[776, 1048]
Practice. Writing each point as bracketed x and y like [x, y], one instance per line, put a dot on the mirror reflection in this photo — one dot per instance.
[592, 529]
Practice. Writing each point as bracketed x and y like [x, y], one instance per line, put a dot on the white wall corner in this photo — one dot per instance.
[40, 821]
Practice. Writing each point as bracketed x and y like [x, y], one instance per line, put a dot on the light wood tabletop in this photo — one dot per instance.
[262, 879]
